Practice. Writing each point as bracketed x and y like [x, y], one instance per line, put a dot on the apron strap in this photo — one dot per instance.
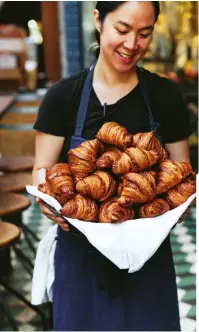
[154, 125]
[81, 115]
[144, 91]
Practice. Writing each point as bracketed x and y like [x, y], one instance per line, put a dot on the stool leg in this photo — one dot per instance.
[24, 259]
[27, 239]
[23, 299]
[24, 226]
[18, 221]
[9, 315]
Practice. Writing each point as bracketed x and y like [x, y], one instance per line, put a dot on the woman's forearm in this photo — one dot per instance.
[38, 176]
[47, 152]
[179, 151]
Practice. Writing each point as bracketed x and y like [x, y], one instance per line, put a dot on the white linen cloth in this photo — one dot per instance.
[128, 245]
[43, 274]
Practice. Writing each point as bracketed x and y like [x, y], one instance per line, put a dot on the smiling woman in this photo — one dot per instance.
[89, 292]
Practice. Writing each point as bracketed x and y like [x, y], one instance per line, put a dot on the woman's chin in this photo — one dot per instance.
[124, 68]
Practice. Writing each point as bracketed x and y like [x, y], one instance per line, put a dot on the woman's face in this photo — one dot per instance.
[126, 34]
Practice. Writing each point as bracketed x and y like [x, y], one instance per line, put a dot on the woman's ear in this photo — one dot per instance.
[97, 21]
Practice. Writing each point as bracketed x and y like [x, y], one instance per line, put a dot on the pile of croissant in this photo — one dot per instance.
[119, 176]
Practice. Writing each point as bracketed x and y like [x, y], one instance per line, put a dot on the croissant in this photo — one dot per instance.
[148, 141]
[119, 189]
[107, 158]
[80, 207]
[83, 158]
[182, 191]
[138, 188]
[134, 160]
[113, 133]
[112, 212]
[170, 174]
[99, 185]
[60, 180]
[46, 189]
[154, 208]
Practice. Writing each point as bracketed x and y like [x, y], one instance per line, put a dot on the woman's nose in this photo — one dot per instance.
[131, 43]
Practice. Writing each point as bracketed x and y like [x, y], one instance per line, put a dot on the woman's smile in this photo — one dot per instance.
[125, 58]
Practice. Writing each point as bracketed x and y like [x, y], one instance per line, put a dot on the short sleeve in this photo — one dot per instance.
[173, 113]
[51, 113]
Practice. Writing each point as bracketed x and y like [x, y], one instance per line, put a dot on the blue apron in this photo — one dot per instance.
[91, 294]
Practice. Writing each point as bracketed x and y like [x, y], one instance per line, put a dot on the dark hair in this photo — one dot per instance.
[105, 7]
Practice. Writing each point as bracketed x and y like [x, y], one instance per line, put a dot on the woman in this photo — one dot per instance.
[89, 292]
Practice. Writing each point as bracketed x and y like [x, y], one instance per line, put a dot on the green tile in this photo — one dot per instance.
[192, 312]
[24, 110]
[187, 281]
[182, 268]
[176, 247]
[178, 258]
[190, 295]
[190, 223]
[16, 127]
[173, 239]
[27, 96]
[191, 231]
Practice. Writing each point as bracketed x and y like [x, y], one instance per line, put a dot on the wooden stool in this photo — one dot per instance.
[9, 233]
[16, 163]
[11, 204]
[11, 207]
[15, 182]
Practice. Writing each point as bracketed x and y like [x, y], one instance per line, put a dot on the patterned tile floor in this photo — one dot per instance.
[183, 239]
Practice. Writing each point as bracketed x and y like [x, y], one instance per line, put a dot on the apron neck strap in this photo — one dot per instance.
[81, 115]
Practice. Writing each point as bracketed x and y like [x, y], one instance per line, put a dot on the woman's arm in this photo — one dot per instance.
[179, 151]
[47, 152]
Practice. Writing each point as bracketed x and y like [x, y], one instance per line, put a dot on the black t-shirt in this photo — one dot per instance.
[58, 111]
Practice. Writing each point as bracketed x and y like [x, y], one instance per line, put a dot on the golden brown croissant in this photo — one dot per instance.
[134, 160]
[154, 208]
[119, 189]
[112, 212]
[60, 180]
[148, 141]
[107, 158]
[138, 188]
[113, 133]
[99, 185]
[170, 174]
[46, 189]
[80, 207]
[83, 158]
[182, 191]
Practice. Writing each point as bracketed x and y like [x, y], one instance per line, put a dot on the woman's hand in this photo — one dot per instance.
[50, 215]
